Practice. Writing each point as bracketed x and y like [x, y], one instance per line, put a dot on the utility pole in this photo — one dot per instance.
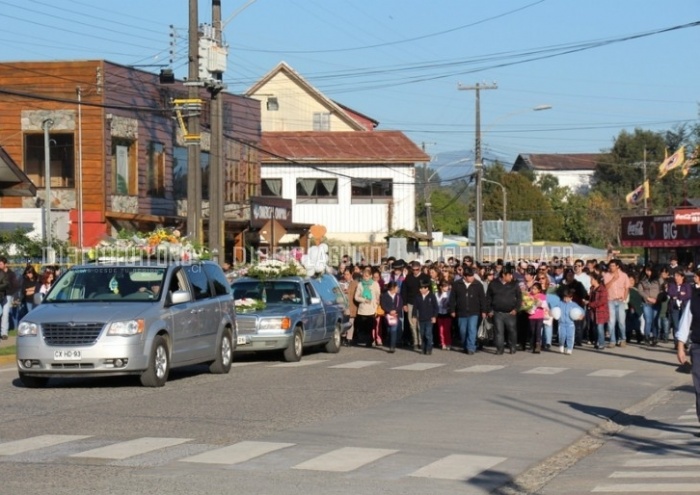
[216, 157]
[478, 165]
[194, 170]
[644, 184]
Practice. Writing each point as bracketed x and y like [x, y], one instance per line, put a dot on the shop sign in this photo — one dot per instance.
[686, 216]
[264, 210]
[657, 232]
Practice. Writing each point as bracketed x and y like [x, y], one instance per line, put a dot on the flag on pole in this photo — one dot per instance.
[690, 162]
[639, 194]
[671, 162]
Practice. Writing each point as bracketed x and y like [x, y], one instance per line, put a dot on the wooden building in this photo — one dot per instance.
[117, 154]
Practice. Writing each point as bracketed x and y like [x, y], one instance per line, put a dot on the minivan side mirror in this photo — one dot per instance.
[180, 296]
[38, 297]
[315, 300]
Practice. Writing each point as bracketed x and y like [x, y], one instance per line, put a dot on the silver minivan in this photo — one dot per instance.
[129, 319]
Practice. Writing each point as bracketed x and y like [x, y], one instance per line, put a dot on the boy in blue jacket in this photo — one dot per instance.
[425, 309]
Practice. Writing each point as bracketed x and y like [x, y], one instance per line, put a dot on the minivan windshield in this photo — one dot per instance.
[108, 283]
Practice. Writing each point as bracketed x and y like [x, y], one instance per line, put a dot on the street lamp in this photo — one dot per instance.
[505, 212]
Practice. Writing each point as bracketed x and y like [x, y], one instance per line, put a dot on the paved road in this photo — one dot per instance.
[362, 421]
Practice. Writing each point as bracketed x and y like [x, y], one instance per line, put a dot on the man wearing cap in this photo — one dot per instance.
[503, 299]
[410, 290]
[467, 304]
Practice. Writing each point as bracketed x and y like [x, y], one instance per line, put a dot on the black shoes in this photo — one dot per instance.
[392, 350]
[499, 352]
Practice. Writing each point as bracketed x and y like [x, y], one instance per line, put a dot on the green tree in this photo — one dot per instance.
[526, 201]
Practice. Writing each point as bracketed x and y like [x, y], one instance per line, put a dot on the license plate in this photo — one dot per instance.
[67, 355]
[241, 341]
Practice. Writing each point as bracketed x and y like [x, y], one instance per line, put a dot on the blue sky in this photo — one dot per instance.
[401, 61]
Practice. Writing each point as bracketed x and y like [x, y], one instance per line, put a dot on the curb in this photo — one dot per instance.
[9, 359]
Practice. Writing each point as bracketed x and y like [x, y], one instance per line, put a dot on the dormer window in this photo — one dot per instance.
[272, 104]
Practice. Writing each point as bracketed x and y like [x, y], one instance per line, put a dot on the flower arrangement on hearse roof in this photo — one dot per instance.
[161, 244]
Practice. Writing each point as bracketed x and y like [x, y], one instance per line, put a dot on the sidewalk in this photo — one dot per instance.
[648, 448]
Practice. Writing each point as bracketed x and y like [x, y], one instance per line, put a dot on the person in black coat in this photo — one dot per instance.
[410, 289]
[503, 299]
[425, 310]
[580, 297]
[468, 304]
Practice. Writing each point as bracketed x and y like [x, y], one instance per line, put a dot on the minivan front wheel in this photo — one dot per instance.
[295, 349]
[158, 364]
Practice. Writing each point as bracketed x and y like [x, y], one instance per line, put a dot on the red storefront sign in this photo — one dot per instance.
[686, 216]
[658, 232]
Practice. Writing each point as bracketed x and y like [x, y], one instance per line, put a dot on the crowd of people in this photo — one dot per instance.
[20, 291]
[536, 306]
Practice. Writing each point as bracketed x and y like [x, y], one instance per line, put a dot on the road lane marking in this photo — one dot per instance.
[655, 474]
[344, 460]
[38, 442]
[611, 373]
[544, 370]
[356, 364]
[307, 362]
[650, 488]
[655, 462]
[236, 453]
[481, 368]
[138, 446]
[457, 467]
[418, 366]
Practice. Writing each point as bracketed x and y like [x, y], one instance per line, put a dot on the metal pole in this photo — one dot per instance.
[505, 213]
[194, 172]
[47, 182]
[216, 158]
[81, 235]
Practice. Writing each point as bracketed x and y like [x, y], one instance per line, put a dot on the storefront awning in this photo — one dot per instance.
[13, 181]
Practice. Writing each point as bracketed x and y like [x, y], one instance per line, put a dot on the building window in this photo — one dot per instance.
[180, 167]
[322, 121]
[204, 164]
[156, 170]
[179, 172]
[317, 190]
[272, 104]
[370, 191]
[271, 187]
[61, 159]
[124, 171]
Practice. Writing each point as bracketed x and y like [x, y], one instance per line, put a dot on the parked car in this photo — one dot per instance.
[123, 319]
[289, 314]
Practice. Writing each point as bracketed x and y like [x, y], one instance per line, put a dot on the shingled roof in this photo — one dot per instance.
[555, 162]
[340, 147]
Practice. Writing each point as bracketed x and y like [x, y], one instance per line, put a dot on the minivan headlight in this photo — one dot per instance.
[275, 323]
[27, 329]
[130, 327]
